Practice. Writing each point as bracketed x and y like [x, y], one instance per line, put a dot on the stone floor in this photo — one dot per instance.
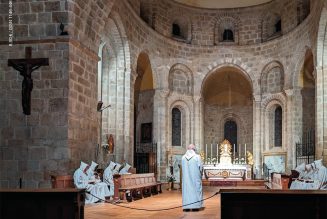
[167, 199]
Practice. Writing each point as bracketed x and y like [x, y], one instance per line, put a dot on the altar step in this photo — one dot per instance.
[233, 183]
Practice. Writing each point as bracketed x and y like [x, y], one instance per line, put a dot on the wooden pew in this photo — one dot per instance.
[42, 203]
[136, 186]
[65, 181]
[263, 203]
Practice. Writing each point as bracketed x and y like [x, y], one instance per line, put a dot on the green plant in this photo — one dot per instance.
[171, 178]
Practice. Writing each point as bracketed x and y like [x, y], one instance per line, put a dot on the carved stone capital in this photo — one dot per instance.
[256, 97]
[133, 77]
[289, 92]
[163, 93]
[197, 98]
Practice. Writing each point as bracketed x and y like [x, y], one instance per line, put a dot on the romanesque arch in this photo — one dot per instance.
[223, 23]
[227, 90]
[180, 79]
[272, 78]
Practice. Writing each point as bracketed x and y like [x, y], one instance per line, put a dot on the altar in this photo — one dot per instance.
[227, 168]
[230, 172]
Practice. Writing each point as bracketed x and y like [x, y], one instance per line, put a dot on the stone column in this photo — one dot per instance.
[198, 122]
[257, 134]
[160, 131]
[291, 135]
[129, 116]
[321, 114]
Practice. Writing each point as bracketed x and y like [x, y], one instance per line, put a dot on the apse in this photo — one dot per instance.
[227, 95]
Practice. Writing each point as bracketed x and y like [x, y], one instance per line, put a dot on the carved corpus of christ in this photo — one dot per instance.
[26, 67]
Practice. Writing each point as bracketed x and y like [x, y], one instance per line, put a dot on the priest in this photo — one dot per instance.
[192, 180]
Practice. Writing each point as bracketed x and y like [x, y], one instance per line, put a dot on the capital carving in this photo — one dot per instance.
[256, 97]
[197, 98]
[289, 92]
[163, 93]
[133, 77]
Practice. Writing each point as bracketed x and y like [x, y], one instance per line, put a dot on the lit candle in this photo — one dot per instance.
[239, 151]
[217, 152]
[245, 151]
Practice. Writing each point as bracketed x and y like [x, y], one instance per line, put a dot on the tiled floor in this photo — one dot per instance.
[167, 199]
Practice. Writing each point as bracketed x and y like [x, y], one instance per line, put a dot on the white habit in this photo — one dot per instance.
[101, 187]
[192, 180]
[81, 181]
[108, 177]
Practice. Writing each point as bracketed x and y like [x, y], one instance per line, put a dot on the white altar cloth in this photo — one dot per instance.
[225, 171]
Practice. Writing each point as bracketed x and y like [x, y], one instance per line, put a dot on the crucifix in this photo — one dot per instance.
[26, 67]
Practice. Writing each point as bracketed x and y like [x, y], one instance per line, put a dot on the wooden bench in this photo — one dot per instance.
[136, 186]
[65, 181]
[281, 204]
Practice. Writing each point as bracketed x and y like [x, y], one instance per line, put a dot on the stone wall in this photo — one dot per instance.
[35, 146]
[215, 118]
[63, 127]
[144, 111]
[250, 25]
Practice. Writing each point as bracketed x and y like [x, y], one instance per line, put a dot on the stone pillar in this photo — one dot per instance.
[257, 134]
[128, 116]
[291, 136]
[160, 131]
[196, 122]
[321, 114]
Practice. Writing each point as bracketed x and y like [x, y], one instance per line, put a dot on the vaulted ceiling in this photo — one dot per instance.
[222, 3]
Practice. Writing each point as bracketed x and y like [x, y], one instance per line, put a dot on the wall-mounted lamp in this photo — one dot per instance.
[100, 108]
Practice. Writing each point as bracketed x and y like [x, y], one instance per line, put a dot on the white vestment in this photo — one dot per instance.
[101, 187]
[125, 169]
[313, 177]
[116, 168]
[192, 180]
[81, 181]
[91, 184]
[320, 174]
[108, 177]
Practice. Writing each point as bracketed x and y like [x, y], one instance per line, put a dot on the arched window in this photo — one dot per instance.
[176, 30]
[278, 126]
[228, 35]
[176, 129]
[278, 26]
[230, 133]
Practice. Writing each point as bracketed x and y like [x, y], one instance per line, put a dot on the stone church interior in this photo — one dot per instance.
[102, 102]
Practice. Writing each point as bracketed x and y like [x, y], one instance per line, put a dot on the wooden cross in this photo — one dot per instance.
[26, 67]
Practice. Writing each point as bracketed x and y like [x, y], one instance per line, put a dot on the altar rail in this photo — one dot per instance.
[281, 204]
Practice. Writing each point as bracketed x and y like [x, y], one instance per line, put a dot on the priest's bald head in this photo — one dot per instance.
[191, 147]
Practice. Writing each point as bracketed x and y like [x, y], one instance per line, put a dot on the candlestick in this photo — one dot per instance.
[206, 153]
[234, 153]
[245, 151]
[211, 153]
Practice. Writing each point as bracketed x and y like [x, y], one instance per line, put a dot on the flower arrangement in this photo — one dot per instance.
[105, 148]
[171, 178]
